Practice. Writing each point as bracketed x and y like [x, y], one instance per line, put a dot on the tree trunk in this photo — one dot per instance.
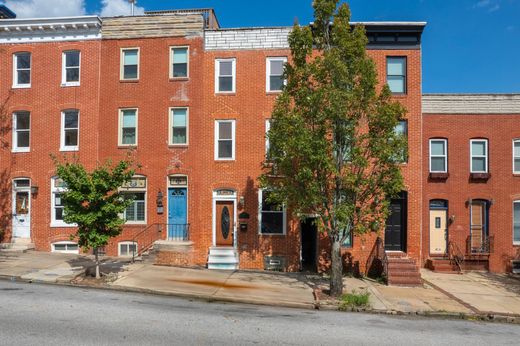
[96, 253]
[336, 273]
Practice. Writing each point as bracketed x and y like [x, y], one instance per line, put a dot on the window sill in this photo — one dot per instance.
[127, 146]
[479, 176]
[69, 149]
[439, 175]
[129, 80]
[66, 85]
[135, 224]
[179, 79]
[62, 225]
[178, 146]
[28, 86]
[273, 92]
[21, 150]
[225, 160]
[400, 95]
[272, 234]
[225, 93]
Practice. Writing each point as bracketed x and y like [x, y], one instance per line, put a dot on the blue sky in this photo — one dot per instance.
[470, 46]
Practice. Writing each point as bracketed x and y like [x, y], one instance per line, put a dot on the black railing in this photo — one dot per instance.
[477, 244]
[178, 232]
[377, 263]
[145, 238]
[455, 255]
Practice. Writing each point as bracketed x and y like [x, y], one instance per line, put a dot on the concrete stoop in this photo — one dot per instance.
[18, 245]
[223, 258]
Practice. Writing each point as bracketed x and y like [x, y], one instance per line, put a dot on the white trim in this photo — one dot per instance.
[515, 242]
[17, 85]
[136, 251]
[66, 243]
[129, 190]
[122, 63]
[229, 198]
[233, 75]
[284, 218]
[268, 61]
[486, 155]
[64, 82]
[233, 138]
[14, 147]
[516, 140]
[168, 187]
[445, 156]
[170, 127]
[187, 62]
[120, 127]
[55, 190]
[14, 190]
[64, 147]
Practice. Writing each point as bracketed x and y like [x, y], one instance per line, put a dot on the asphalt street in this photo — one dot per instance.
[32, 314]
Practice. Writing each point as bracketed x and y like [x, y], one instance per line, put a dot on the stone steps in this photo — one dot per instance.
[17, 245]
[223, 258]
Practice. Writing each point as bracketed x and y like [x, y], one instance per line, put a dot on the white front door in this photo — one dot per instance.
[438, 231]
[21, 208]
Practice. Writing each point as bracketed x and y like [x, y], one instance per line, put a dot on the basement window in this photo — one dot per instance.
[127, 249]
[65, 247]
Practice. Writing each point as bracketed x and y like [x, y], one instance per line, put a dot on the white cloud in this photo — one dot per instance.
[46, 8]
[113, 8]
[489, 5]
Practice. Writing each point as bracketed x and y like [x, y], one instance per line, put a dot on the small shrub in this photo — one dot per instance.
[355, 300]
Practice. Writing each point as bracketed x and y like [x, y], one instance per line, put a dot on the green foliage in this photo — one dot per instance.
[355, 300]
[92, 200]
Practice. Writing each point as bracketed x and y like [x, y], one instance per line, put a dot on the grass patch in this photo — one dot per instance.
[355, 300]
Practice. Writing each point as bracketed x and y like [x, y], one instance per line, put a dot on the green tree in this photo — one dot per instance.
[333, 147]
[93, 202]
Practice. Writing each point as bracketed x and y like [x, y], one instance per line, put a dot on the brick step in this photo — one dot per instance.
[402, 266]
[404, 281]
[404, 275]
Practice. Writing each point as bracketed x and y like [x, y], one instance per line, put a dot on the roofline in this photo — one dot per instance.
[373, 24]
[48, 19]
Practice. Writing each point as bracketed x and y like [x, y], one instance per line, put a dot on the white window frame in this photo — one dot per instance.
[122, 63]
[515, 242]
[187, 62]
[486, 156]
[445, 156]
[233, 139]
[15, 71]
[64, 147]
[517, 140]
[260, 206]
[233, 71]
[66, 243]
[170, 127]
[64, 69]
[268, 61]
[15, 148]
[127, 243]
[129, 190]
[120, 127]
[57, 190]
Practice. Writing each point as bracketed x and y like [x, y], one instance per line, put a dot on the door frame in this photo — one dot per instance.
[316, 244]
[403, 200]
[430, 208]
[168, 207]
[14, 190]
[231, 197]
[169, 186]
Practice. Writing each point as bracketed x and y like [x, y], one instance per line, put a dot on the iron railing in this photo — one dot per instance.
[455, 255]
[477, 244]
[178, 232]
[145, 238]
[377, 263]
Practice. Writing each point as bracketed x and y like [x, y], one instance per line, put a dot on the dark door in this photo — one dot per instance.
[395, 231]
[309, 238]
[224, 223]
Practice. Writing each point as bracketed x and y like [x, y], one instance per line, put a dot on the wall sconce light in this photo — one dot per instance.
[451, 219]
[34, 190]
[241, 201]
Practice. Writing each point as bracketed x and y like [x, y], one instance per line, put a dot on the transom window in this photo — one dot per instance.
[180, 60]
[225, 140]
[479, 155]
[396, 74]
[130, 64]
[22, 70]
[275, 80]
[127, 249]
[70, 130]
[128, 127]
[438, 156]
[225, 75]
[516, 156]
[71, 66]
[272, 218]
[179, 126]
[21, 131]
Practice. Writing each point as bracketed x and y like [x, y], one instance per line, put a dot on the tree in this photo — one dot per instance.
[93, 202]
[333, 147]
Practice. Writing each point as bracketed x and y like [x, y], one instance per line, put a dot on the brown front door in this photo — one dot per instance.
[224, 223]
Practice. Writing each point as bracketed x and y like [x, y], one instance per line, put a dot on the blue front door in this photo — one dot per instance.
[177, 213]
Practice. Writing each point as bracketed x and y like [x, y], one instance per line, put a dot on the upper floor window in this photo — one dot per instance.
[21, 131]
[179, 126]
[127, 127]
[516, 156]
[179, 62]
[272, 218]
[130, 63]
[401, 129]
[225, 72]
[70, 68]
[479, 155]
[22, 70]
[396, 74]
[225, 140]
[70, 130]
[135, 189]
[274, 74]
[438, 156]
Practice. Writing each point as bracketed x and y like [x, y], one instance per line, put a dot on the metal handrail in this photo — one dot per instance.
[486, 245]
[378, 252]
[147, 245]
[455, 254]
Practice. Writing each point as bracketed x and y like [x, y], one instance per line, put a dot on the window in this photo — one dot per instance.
[70, 130]
[21, 131]
[128, 127]
[479, 156]
[225, 75]
[65, 247]
[70, 69]
[438, 156]
[516, 222]
[130, 64]
[267, 145]
[516, 156]
[225, 140]
[348, 240]
[178, 126]
[479, 225]
[274, 79]
[127, 249]
[396, 74]
[272, 218]
[22, 70]
[135, 212]
[57, 207]
[401, 129]
[179, 62]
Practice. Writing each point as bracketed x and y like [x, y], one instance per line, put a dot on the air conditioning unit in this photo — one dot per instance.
[274, 263]
[515, 265]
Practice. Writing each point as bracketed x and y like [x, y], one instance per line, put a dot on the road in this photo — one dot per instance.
[32, 314]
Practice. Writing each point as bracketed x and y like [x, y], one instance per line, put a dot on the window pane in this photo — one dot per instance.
[517, 165]
[123, 249]
[72, 74]
[23, 60]
[348, 241]
[277, 67]
[479, 164]
[129, 136]
[516, 225]
[129, 118]
[224, 130]
[71, 119]
[272, 222]
[71, 59]
[225, 83]
[58, 214]
[24, 77]
[58, 201]
[180, 70]
[179, 135]
[226, 68]
[396, 84]
[478, 148]
[179, 117]
[437, 148]
[22, 139]
[130, 57]
[72, 247]
[395, 67]
[276, 83]
[60, 247]
[130, 71]
[22, 121]
[71, 138]
[180, 55]
[225, 149]
[437, 164]
[139, 210]
[130, 212]
[517, 149]
[401, 128]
